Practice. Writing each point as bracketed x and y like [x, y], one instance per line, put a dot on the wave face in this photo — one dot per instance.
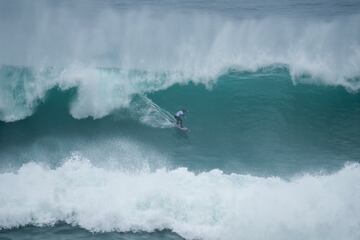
[196, 206]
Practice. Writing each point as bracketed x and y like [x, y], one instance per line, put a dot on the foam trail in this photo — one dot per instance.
[209, 205]
[153, 115]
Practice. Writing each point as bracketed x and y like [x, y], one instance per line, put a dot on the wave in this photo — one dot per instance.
[116, 54]
[98, 92]
[207, 205]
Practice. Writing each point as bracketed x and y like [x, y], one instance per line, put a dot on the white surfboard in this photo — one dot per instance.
[182, 128]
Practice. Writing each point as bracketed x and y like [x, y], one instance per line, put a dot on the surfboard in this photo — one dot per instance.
[182, 128]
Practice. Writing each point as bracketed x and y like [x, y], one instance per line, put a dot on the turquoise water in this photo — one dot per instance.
[258, 123]
[87, 144]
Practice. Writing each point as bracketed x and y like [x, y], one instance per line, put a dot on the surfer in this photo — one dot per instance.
[178, 117]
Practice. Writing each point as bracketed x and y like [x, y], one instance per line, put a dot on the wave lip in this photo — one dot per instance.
[208, 205]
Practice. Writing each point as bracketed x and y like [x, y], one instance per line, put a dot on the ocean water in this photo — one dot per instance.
[87, 144]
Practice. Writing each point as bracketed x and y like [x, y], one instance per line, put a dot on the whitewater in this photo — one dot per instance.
[209, 205]
[88, 90]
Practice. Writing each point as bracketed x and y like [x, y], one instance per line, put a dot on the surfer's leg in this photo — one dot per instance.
[177, 120]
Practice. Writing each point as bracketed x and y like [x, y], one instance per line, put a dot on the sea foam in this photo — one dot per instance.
[206, 205]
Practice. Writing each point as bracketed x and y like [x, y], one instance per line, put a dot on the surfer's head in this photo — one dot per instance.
[184, 110]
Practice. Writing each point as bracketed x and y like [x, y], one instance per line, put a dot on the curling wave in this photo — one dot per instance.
[123, 53]
[101, 91]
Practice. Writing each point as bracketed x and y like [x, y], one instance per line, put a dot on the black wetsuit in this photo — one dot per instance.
[178, 121]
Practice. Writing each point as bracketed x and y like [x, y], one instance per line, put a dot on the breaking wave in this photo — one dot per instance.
[125, 53]
[206, 205]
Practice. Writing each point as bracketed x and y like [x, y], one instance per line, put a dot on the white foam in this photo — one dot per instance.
[21, 90]
[209, 205]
